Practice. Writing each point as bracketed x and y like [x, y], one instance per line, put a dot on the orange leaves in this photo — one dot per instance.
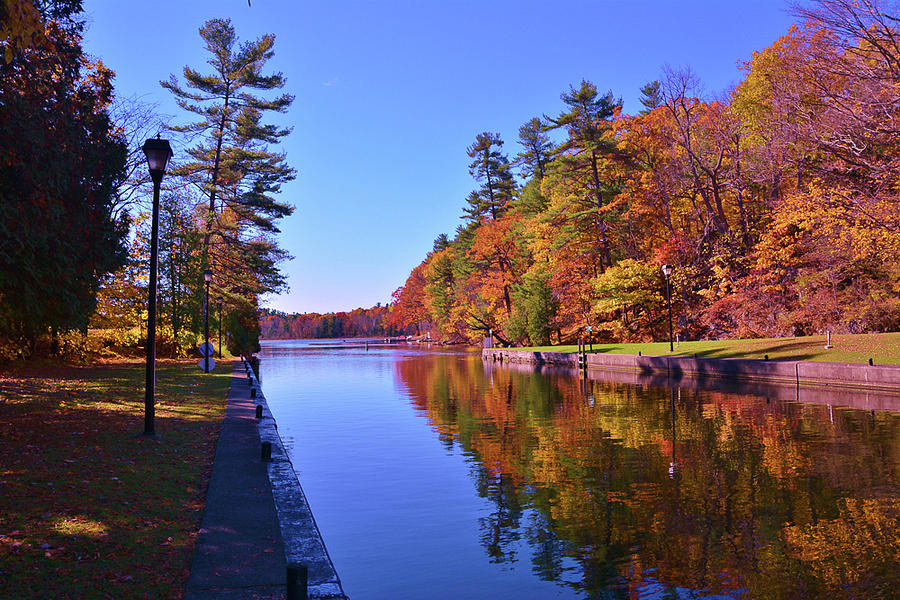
[408, 307]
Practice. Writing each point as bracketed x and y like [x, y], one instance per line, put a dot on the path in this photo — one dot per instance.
[239, 553]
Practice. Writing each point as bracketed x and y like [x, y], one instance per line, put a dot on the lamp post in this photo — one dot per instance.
[207, 277]
[220, 325]
[158, 153]
[667, 271]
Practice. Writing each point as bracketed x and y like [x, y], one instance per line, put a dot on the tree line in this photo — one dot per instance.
[75, 190]
[361, 322]
[776, 203]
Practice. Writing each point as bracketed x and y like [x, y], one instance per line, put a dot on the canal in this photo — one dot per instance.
[434, 475]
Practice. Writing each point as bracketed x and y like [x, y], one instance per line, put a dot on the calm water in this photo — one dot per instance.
[433, 475]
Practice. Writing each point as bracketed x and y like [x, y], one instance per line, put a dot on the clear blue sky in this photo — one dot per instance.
[389, 93]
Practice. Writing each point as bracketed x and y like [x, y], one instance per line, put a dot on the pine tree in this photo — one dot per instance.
[537, 149]
[490, 167]
[588, 123]
[234, 165]
[232, 162]
[651, 97]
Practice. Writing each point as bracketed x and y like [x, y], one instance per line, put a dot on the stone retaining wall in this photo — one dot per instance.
[302, 541]
[884, 377]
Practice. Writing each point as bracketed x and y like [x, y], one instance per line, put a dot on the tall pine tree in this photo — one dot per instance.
[536, 149]
[234, 164]
[490, 167]
[588, 123]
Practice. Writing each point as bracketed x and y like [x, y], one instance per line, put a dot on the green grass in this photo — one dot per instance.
[884, 348]
[88, 507]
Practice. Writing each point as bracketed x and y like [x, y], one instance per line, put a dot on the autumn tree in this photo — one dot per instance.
[408, 304]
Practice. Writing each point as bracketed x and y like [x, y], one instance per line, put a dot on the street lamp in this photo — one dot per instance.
[207, 277]
[158, 153]
[667, 271]
[220, 325]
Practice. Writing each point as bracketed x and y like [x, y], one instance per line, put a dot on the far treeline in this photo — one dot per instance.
[75, 192]
[777, 204]
[361, 322]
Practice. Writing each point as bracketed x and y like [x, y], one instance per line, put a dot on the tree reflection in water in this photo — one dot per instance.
[621, 491]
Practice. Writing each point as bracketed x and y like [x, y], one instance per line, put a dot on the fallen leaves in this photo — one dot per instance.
[89, 509]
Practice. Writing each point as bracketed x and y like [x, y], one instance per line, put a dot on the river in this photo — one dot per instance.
[434, 475]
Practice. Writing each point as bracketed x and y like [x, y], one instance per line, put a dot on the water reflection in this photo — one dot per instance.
[622, 491]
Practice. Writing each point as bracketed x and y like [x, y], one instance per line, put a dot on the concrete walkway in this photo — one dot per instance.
[239, 553]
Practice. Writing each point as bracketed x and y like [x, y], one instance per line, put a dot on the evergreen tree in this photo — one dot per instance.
[232, 162]
[490, 167]
[588, 123]
[537, 149]
[651, 97]
[440, 242]
[62, 161]
[234, 165]
[180, 272]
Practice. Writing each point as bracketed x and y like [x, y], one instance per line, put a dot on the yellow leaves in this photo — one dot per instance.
[840, 220]
[21, 29]
[841, 551]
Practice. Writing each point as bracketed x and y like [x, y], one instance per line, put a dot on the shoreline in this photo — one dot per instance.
[801, 373]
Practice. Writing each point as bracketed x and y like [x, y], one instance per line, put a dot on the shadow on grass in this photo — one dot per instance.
[792, 357]
[89, 508]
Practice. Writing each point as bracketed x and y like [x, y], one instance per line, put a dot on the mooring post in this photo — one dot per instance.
[259, 411]
[266, 454]
[297, 581]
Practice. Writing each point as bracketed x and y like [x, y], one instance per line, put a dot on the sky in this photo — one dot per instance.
[389, 93]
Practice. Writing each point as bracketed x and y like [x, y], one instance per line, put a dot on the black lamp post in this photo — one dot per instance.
[158, 153]
[220, 325]
[207, 278]
[667, 271]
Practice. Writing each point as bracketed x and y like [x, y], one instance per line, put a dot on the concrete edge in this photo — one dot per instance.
[851, 375]
[300, 534]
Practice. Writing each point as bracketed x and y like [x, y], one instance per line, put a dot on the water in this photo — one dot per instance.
[433, 475]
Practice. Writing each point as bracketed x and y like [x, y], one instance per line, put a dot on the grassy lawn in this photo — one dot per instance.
[89, 508]
[884, 348]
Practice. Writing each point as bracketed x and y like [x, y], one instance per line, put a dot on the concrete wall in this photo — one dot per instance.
[302, 541]
[885, 377]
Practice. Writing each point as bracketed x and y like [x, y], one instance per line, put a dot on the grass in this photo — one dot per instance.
[884, 348]
[88, 507]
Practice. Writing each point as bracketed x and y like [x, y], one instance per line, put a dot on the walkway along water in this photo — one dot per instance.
[258, 538]
[877, 377]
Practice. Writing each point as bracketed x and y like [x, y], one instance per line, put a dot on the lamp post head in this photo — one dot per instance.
[207, 275]
[667, 270]
[158, 153]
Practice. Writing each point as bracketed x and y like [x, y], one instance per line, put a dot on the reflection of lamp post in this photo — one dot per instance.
[667, 271]
[158, 153]
[207, 277]
[672, 462]
[220, 325]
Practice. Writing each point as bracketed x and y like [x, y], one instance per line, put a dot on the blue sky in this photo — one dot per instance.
[389, 93]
